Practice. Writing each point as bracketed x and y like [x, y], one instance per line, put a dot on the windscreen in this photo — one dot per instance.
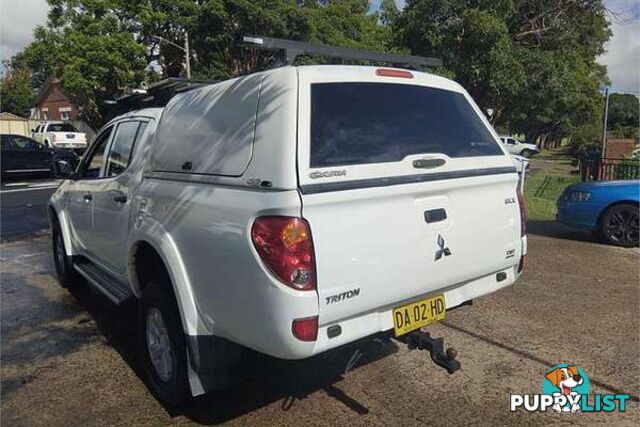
[61, 127]
[360, 123]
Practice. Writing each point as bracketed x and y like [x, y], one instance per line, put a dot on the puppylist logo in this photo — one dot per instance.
[565, 389]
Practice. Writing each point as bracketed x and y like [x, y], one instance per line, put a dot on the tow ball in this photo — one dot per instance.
[423, 341]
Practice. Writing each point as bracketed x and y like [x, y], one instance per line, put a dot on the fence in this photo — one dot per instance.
[597, 169]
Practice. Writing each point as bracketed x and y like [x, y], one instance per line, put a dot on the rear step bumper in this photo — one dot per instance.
[106, 284]
[381, 320]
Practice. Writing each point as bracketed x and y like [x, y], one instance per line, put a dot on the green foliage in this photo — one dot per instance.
[531, 61]
[16, 92]
[624, 115]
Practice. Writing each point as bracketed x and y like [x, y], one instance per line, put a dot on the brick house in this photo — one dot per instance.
[53, 104]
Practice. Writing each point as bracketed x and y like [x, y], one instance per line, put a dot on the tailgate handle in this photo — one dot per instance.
[428, 163]
[435, 215]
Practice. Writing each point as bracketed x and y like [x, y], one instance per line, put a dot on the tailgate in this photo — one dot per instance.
[405, 186]
[393, 243]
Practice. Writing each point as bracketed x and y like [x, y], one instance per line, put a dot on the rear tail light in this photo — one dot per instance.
[523, 214]
[284, 245]
[305, 329]
[390, 72]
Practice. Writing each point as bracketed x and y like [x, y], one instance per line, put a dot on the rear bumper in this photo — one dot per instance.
[285, 346]
[382, 320]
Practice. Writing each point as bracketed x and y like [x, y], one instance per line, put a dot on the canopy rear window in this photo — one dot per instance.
[61, 127]
[360, 123]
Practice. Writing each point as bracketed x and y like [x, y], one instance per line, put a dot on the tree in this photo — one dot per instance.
[101, 48]
[16, 92]
[624, 115]
[530, 61]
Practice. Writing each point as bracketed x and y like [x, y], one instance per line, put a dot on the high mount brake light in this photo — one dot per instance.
[390, 72]
[284, 245]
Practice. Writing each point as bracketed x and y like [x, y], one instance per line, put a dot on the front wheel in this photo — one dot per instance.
[67, 276]
[619, 225]
[165, 353]
[526, 153]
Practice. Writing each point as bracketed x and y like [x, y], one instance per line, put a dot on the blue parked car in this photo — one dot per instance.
[607, 207]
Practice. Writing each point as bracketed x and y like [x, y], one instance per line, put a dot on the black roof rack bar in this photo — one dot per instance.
[291, 49]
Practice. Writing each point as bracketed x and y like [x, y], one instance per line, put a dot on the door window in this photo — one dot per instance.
[24, 143]
[121, 149]
[93, 163]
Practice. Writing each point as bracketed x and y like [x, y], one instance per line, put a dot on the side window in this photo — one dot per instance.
[97, 156]
[121, 149]
[510, 141]
[23, 143]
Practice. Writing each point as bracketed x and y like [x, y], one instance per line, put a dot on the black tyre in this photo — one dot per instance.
[526, 153]
[67, 276]
[619, 225]
[164, 346]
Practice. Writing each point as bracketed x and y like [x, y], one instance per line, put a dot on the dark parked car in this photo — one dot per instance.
[22, 155]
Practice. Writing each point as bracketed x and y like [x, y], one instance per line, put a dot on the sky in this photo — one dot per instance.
[18, 18]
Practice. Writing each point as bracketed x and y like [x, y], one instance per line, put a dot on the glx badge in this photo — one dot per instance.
[442, 249]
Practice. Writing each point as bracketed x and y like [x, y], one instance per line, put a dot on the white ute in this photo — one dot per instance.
[518, 148]
[60, 135]
[291, 212]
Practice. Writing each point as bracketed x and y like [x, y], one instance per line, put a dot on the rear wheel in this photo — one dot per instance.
[165, 352]
[619, 225]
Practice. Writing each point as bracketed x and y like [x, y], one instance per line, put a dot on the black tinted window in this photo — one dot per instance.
[120, 153]
[24, 143]
[356, 123]
[61, 127]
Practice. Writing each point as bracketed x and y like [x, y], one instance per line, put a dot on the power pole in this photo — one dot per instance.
[185, 49]
[606, 116]
[186, 52]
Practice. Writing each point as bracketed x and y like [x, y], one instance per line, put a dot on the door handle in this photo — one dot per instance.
[88, 197]
[120, 198]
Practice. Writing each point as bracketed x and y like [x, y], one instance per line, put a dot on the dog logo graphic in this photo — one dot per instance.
[565, 389]
[569, 381]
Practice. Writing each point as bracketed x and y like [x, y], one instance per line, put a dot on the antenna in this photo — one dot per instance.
[290, 50]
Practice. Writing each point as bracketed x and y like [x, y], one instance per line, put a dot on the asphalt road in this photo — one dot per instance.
[73, 359]
[23, 207]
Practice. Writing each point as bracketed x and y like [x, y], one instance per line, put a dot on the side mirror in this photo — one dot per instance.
[63, 169]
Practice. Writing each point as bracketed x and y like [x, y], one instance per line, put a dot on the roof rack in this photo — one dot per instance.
[290, 50]
[156, 95]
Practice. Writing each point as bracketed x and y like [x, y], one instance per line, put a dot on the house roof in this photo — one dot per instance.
[45, 88]
[11, 116]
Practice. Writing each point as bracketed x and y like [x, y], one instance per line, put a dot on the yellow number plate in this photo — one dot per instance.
[418, 314]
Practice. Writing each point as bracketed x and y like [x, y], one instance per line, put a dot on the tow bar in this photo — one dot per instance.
[423, 341]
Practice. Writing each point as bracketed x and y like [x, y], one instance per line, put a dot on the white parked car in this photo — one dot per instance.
[292, 212]
[60, 135]
[520, 148]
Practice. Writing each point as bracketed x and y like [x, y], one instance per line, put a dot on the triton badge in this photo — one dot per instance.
[343, 296]
[442, 249]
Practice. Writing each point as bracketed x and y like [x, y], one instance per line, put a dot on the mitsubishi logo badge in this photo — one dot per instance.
[442, 249]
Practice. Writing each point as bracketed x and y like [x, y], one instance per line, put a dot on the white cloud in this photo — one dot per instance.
[18, 19]
[622, 56]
